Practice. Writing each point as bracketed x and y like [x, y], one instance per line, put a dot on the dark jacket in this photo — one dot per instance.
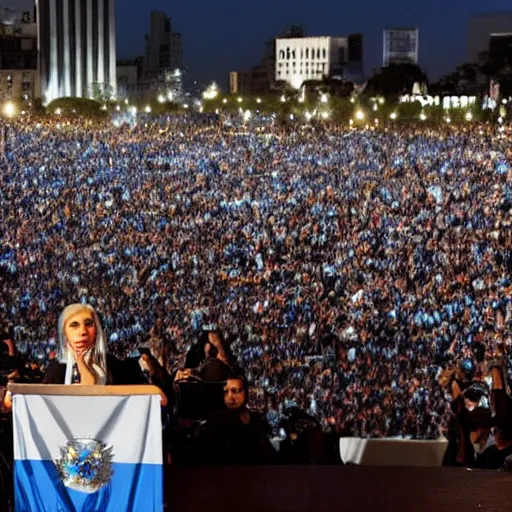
[119, 372]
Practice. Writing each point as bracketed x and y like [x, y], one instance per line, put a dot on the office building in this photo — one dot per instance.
[164, 48]
[19, 76]
[313, 58]
[401, 46]
[77, 48]
[490, 37]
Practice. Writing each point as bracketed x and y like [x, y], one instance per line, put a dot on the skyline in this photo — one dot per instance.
[228, 36]
[237, 42]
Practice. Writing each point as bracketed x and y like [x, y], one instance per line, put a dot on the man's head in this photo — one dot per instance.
[236, 392]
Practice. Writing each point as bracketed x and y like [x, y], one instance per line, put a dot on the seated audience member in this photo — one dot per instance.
[207, 360]
[235, 434]
[495, 456]
[83, 357]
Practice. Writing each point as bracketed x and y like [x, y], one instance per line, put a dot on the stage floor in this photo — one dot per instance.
[336, 488]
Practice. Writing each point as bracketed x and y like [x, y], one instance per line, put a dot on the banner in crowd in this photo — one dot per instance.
[87, 453]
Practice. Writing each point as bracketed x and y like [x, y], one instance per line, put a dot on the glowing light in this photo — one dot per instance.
[448, 120]
[258, 100]
[247, 115]
[325, 115]
[376, 121]
[360, 115]
[500, 120]
[375, 107]
[393, 115]
[283, 98]
[161, 98]
[351, 122]
[324, 98]
[308, 116]
[224, 101]
[352, 100]
[148, 110]
[469, 116]
[240, 100]
[504, 101]
[118, 108]
[185, 106]
[211, 92]
[133, 110]
[126, 101]
[9, 109]
[292, 117]
[170, 96]
[423, 117]
[58, 111]
[382, 101]
[104, 107]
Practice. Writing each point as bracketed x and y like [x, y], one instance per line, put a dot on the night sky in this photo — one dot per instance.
[228, 35]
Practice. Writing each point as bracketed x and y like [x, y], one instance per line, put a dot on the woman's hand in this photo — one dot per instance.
[87, 378]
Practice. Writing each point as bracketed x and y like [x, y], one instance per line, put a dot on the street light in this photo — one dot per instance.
[393, 115]
[9, 109]
[423, 117]
[360, 115]
[161, 98]
[469, 116]
[148, 110]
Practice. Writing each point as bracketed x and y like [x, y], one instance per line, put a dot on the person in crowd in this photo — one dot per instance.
[207, 360]
[236, 434]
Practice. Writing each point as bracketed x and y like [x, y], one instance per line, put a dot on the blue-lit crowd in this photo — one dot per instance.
[345, 268]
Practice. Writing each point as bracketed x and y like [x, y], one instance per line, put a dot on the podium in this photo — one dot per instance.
[87, 448]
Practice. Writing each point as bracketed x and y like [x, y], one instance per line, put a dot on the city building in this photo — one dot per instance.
[19, 76]
[129, 76]
[314, 58]
[77, 48]
[490, 37]
[400, 46]
[164, 48]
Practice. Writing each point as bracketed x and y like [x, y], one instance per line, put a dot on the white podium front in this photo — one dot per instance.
[87, 448]
[392, 452]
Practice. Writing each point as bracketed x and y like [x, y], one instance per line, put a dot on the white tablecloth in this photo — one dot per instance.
[392, 452]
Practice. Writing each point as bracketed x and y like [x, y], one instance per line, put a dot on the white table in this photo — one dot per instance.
[392, 452]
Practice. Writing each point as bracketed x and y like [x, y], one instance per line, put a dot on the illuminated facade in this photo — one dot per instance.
[313, 58]
[77, 48]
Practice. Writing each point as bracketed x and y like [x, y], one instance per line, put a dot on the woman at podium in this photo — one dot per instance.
[83, 357]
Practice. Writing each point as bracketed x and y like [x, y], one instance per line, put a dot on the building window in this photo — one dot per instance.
[312, 54]
[324, 53]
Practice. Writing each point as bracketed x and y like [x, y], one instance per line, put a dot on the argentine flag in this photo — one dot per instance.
[87, 449]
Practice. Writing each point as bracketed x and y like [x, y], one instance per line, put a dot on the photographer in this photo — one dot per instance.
[495, 456]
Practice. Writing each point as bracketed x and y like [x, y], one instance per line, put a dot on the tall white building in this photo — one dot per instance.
[77, 48]
[310, 58]
[401, 45]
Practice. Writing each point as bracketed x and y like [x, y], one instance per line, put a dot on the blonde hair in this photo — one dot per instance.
[96, 358]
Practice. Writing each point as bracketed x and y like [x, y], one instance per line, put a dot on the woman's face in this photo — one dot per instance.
[80, 331]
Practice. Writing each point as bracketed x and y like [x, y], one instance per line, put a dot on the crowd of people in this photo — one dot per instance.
[345, 268]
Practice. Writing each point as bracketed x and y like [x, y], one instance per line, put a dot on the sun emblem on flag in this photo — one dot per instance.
[85, 465]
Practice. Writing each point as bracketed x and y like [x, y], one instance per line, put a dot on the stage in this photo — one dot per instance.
[336, 488]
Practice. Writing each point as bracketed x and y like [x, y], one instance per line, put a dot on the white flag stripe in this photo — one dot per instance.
[130, 424]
